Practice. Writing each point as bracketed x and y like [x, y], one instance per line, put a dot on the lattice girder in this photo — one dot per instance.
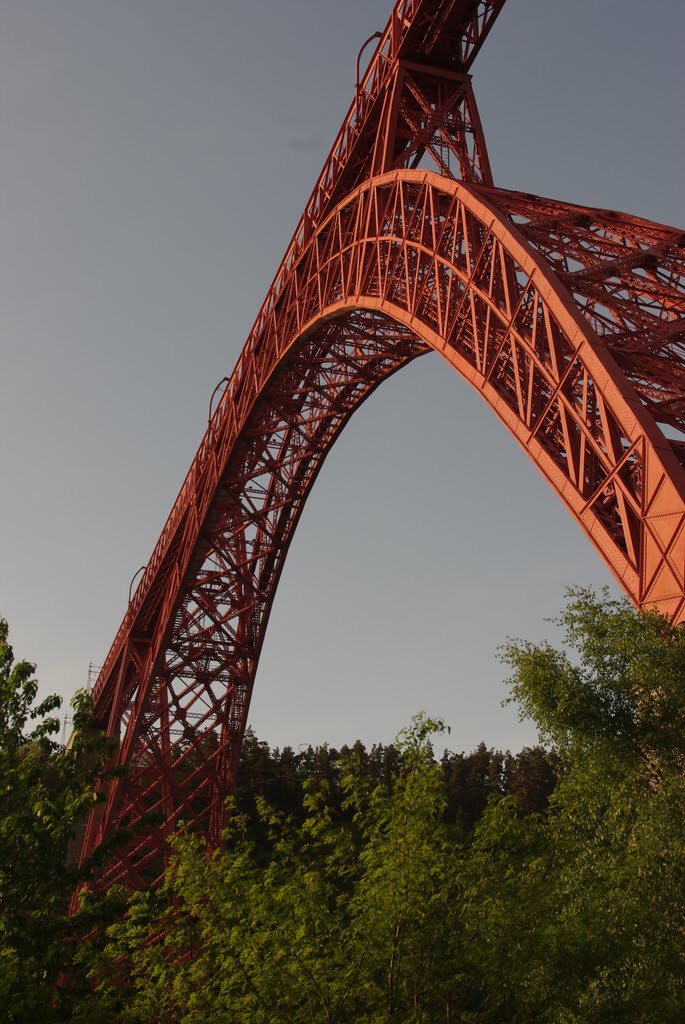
[409, 261]
[628, 277]
[208, 652]
[568, 321]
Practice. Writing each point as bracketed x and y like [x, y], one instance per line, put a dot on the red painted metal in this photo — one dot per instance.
[569, 321]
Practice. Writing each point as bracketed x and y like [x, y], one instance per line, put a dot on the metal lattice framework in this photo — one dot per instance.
[569, 321]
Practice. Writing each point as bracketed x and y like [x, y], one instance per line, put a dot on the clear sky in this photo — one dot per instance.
[156, 157]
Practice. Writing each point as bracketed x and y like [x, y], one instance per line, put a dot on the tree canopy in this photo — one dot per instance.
[394, 885]
[45, 792]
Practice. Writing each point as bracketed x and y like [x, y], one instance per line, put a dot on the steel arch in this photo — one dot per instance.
[406, 262]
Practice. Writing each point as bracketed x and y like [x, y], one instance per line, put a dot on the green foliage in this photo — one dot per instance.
[341, 924]
[282, 777]
[386, 886]
[594, 894]
[616, 692]
[45, 791]
[407, 897]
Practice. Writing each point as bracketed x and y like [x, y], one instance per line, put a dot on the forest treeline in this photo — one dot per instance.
[391, 885]
[283, 778]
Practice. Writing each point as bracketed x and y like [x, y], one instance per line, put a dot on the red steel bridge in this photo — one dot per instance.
[569, 321]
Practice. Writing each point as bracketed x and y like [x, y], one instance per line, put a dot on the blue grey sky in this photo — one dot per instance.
[156, 157]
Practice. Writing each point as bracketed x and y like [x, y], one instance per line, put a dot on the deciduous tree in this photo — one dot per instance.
[45, 791]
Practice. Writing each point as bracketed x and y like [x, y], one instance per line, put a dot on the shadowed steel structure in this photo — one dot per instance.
[569, 321]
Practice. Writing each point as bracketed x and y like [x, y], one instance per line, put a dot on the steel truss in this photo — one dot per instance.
[569, 321]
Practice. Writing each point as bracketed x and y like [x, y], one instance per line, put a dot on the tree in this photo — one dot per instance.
[579, 916]
[344, 922]
[413, 902]
[406, 902]
[45, 791]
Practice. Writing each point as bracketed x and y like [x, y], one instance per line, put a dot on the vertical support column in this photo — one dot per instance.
[168, 808]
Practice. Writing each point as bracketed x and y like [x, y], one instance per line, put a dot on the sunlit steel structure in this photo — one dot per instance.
[569, 322]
